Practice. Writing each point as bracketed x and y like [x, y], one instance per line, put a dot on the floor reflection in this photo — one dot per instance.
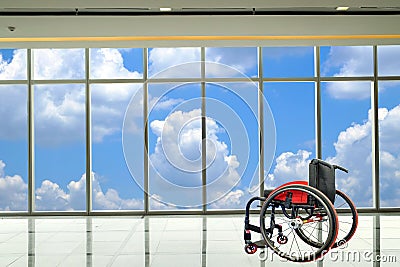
[172, 241]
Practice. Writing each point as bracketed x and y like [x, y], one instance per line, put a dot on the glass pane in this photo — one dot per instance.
[347, 61]
[13, 64]
[13, 148]
[175, 146]
[389, 143]
[292, 106]
[241, 60]
[113, 186]
[113, 63]
[288, 62]
[388, 60]
[232, 144]
[346, 137]
[58, 64]
[172, 62]
[60, 147]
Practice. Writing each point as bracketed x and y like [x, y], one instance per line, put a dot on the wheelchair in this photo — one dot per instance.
[301, 221]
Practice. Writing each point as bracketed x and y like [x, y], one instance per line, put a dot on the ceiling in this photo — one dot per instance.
[120, 23]
[200, 6]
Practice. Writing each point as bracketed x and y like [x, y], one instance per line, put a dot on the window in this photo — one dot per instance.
[156, 103]
[56, 64]
[292, 106]
[173, 62]
[13, 148]
[13, 64]
[389, 142]
[288, 62]
[112, 63]
[60, 147]
[232, 144]
[241, 62]
[174, 121]
[114, 187]
[346, 61]
[346, 136]
[388, 60]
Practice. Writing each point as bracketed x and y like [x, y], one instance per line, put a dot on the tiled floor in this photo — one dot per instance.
[172, 241]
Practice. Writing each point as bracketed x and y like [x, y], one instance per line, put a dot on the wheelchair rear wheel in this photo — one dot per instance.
[283, 214]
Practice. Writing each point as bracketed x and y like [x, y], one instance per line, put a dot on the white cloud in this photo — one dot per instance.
[59, 114]
[109, 103]
[51, 197]
[388, 60]
[289, 167]
[348, 61]
[14, 69]
[165, 103]
[162, 59]
[177, 160]
[109, 63]
[356, 61]
[13, 191]
[349, 90]
[13, 110]
[231, 200]
[353, 151]
[60, 109]
[238, 60]
[59, 63]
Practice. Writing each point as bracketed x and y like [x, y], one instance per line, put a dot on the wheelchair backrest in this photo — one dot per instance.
[321, 175]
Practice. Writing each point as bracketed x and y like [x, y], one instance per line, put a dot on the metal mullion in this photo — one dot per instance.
[364, 211]
[318, 135]
[197, 80]
[260, 96]
[92, 81]
[318, 108]
[59, 213]
[14, 213]
[13, 82]
[203, 131]
[300, 79]
[174, 80]
[89, 198]
[31, 137]
[347, 79]
[226, 80]
[146, 199]
[375, 133]
[376, 234]
[388, 78]
[67, 81]
[117, 213]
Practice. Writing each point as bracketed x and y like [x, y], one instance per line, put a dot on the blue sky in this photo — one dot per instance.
[231, 121]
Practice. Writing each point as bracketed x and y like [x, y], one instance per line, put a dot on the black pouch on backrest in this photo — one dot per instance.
[321, 175]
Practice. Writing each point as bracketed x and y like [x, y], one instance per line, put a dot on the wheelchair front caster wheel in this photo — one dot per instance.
[250, 248]
[282, 239]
